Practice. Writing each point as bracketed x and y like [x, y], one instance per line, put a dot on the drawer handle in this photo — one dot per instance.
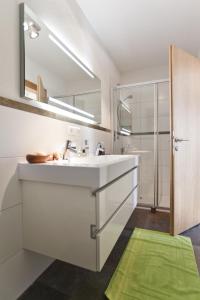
[93, 228]
[111, 182]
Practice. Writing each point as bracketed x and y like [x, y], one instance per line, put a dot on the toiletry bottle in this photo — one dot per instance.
[102, 149]
[86, 147]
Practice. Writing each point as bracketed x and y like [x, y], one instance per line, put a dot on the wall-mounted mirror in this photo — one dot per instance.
[52, 74]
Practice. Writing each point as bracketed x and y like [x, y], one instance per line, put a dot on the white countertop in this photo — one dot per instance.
[92, 171]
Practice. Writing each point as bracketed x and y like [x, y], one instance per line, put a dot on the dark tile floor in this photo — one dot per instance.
[194, 234]
[62, 281]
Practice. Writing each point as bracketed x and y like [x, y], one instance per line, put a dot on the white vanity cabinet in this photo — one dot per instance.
[76, 211]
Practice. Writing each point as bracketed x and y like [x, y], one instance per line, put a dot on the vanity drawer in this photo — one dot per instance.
[107, 237]
[109, 199]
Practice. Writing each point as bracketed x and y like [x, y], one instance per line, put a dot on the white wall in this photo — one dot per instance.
[148, 74]
[56, 85]
[23, 132]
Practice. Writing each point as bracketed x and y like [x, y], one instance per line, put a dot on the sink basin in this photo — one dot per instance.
[92, 161]
[92, 171]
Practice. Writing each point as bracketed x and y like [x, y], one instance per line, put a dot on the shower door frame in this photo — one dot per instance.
[156, 133]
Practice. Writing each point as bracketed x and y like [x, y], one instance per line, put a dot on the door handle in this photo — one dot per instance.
[177, 140]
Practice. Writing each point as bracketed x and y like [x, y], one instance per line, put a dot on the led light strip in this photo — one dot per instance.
[63, 112]
[70, 54]
[124, 129]
[56, 101]
[124, 132]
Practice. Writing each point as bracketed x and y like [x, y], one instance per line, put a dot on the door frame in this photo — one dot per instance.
[171, 172]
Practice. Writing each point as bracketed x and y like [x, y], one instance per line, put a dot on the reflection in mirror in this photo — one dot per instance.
[124, 115]
[54, 75]
[136, 109]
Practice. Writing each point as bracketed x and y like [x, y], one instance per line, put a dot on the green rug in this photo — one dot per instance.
[156, 266]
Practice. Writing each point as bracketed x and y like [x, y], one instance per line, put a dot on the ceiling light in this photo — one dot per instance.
[71, 55]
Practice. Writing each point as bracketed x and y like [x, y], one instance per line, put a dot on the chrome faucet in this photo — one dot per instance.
[100, 150]
[71, 147]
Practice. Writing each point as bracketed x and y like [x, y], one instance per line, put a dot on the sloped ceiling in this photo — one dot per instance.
[137, 33]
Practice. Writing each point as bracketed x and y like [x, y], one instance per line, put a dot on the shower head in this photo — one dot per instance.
[124, 105]
[128, 97]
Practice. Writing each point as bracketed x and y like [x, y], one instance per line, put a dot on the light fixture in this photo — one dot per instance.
[63, 112]
[69, 114]
[124, 129]
[71, 55]
[32, 28]
[33, 34]
[26, 27]
[61, 103]
[124, 132]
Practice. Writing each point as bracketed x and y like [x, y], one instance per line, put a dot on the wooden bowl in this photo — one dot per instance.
[36, 158]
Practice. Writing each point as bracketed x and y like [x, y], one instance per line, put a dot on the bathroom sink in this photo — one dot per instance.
[92, 171]
[75, 210]
[92, 161]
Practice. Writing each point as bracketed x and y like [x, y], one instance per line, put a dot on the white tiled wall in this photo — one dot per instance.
[18, 272]
[10, 232]
[147, 74]
[22, 132]
[9, 197]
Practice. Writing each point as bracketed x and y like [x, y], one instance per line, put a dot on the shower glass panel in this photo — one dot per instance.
[141, 123]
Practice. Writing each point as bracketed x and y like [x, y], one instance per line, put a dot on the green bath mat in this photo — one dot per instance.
[156, 266]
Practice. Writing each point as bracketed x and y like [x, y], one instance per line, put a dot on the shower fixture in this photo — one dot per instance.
[122, 103]
[128, 97]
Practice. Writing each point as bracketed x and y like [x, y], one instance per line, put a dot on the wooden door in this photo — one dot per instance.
[185, 140]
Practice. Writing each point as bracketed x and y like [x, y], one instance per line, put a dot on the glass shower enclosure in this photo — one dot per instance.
[141, 126]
